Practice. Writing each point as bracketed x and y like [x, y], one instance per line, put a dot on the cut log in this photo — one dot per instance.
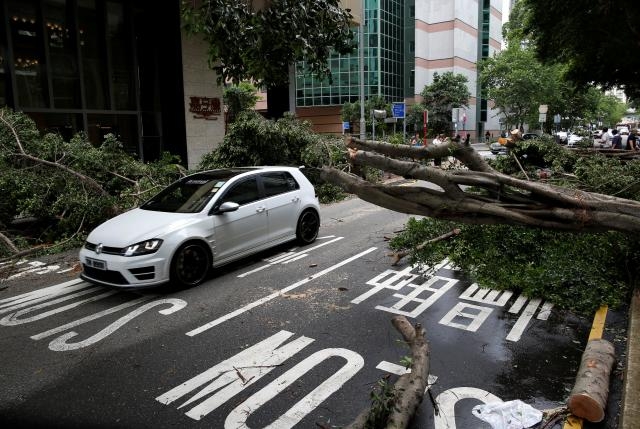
[588, 399]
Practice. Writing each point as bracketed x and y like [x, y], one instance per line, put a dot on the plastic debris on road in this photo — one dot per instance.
[508, 415]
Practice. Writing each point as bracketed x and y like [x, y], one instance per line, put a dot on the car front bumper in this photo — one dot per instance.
[124, 271]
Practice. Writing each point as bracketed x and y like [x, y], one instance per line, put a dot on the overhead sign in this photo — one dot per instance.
[398, 110]
[345, 125]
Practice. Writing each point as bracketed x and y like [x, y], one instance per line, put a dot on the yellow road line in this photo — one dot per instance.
[597, 328]
[598, 323]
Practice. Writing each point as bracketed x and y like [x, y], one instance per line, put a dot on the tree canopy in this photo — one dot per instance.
[247, 41]
[448, 90]
[597, 39]
[518, 83]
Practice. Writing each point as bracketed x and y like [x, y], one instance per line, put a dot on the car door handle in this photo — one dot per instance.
[295, 199]
[260, 209]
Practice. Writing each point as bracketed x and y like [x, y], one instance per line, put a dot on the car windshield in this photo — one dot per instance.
[191, 194]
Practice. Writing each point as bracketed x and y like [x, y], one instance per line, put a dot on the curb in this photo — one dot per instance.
[630, 413]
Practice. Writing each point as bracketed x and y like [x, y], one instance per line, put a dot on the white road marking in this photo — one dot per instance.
[394, 368]
[237, 418]
[545, 311]
[486, 296]
[13, 319]
[222, 382]
[90, 318]
[477, 319]
[60, 343]
[523, 320]
[290, 256]
[26, 299]
[446, 418]
[275, 294]
[517, 306]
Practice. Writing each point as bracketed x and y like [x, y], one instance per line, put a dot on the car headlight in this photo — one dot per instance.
[143, 248]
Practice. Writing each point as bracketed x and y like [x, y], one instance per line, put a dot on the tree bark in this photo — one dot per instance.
[397, 256]
[479, 194]
[410, 387]
[588, 399]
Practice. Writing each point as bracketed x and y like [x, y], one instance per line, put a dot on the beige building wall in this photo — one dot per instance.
[203, 134]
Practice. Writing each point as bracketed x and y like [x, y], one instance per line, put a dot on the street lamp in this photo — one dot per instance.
[376, 114]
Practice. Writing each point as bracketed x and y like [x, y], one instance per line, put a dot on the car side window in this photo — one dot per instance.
[278, 182]
[244, 192]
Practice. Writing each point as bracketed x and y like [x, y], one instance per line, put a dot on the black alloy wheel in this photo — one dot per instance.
[308, 226]
[190, 265]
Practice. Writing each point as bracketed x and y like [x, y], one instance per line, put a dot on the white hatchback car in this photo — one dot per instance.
[201, 221]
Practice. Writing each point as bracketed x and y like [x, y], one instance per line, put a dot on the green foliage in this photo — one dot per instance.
[351, 112]
[239, 98]
[382, 403]
[253, 140]
[328, 193]
[415, 119]
[262, 44]
[519, 83]
[578, 33]
[39, 183]
[447, 91]
[577, 271]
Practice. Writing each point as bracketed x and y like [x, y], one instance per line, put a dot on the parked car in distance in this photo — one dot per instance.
[561, 137]
[529, 136]
[573, 139]
[497, 148]
[201, 221]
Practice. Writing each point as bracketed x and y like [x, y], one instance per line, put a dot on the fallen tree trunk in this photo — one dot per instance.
[588, 399]
[479, 194]
[410, 387]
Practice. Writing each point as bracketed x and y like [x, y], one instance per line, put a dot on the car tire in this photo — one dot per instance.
[308, 226]
[190, 264]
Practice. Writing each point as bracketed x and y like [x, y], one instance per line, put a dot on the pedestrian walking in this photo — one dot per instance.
[616, 140]
[624, 136]
[632, 141]
[439, 140]
[605, 138]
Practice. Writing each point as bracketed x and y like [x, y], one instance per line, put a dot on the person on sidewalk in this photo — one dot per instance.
[632, 141]
[439, 140]
[605, 138]
[616, 140]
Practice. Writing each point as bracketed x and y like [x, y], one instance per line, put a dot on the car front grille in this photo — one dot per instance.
[106, 276]
[144, 273]
[106, 250]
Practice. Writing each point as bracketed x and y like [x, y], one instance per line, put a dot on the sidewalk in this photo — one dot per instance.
[630, 413]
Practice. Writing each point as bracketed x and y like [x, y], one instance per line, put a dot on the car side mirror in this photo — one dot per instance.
[226, 207]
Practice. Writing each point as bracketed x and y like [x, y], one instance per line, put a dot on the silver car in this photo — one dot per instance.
[204, 220]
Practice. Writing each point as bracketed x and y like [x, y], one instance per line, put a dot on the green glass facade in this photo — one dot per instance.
[484, 15]
[385, 64]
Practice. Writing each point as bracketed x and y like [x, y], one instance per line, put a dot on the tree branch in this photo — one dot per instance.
[479, 194]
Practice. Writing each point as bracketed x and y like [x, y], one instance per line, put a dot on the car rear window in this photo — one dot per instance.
[278, 182]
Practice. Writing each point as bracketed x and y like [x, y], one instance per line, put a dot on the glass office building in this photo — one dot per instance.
[98, 66]
[385, 70]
